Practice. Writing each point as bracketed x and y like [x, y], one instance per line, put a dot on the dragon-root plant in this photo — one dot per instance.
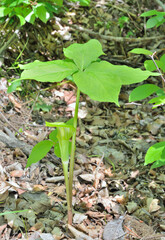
[100, 80]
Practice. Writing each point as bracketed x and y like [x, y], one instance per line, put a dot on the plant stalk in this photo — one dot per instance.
[73, 148]
[65, 171]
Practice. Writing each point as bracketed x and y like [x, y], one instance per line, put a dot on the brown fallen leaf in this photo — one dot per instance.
[39, 188]
[78, 234]
[17, 173]
[14, 101]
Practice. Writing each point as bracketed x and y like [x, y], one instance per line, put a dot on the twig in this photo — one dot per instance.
[161, 75]
[112, 38]
[61, 178]
[161, 4]
[11, 124]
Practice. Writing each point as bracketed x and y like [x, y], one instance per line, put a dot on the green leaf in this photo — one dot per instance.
[155, 152]
[4, 11]
[158, 163]
[149, 65]
[99, 82]
[52, 71]
[22, 19]
[142, 92]
[18, 211]
[157, 101]
[141, 51]
[53, 136]
[41, 12]
[39, 151]
[14, 86]
[162, 61]
[130, 75]
[30, 18]
[84, 54]
[43, 106]
[152, 22]
[149, 13]
[85, 3]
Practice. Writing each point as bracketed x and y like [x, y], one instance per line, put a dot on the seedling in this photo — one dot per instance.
[156, 153]
[100, 80]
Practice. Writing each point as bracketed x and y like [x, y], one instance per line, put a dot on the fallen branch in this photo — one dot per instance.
[11, 141]
[61, 178]
[112, 38]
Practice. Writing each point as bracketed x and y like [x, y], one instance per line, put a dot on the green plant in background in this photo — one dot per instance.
[100, 80]
[157, 18]
[156, 153]
[145, 90]
[122, 20]
[28, 11]
[84, 3]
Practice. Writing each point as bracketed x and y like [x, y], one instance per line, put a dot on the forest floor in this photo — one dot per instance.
[114, 195]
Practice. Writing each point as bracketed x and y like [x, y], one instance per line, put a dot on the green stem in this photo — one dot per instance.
[65, 171]
[73, 148]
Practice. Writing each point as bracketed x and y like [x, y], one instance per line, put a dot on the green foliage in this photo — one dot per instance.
[156, 155]
[39, 151]
[42, 106]
[28, 11]
[100, 80]
[150, 66]
[84, 3]
[122, 20]
[157, 18]
[144, 91]
[141, 51]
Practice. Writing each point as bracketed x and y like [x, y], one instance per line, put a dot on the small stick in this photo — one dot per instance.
[163, 80]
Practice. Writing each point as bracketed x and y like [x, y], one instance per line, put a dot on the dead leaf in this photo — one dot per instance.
[131, 207]
[78, 234]
[17, 173]
[79, 218]
[153, 207]
[39, 188]
[14, 101]
[87, 177]
[114, 230]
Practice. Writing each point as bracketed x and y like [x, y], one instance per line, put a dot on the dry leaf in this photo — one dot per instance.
[153, 207]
